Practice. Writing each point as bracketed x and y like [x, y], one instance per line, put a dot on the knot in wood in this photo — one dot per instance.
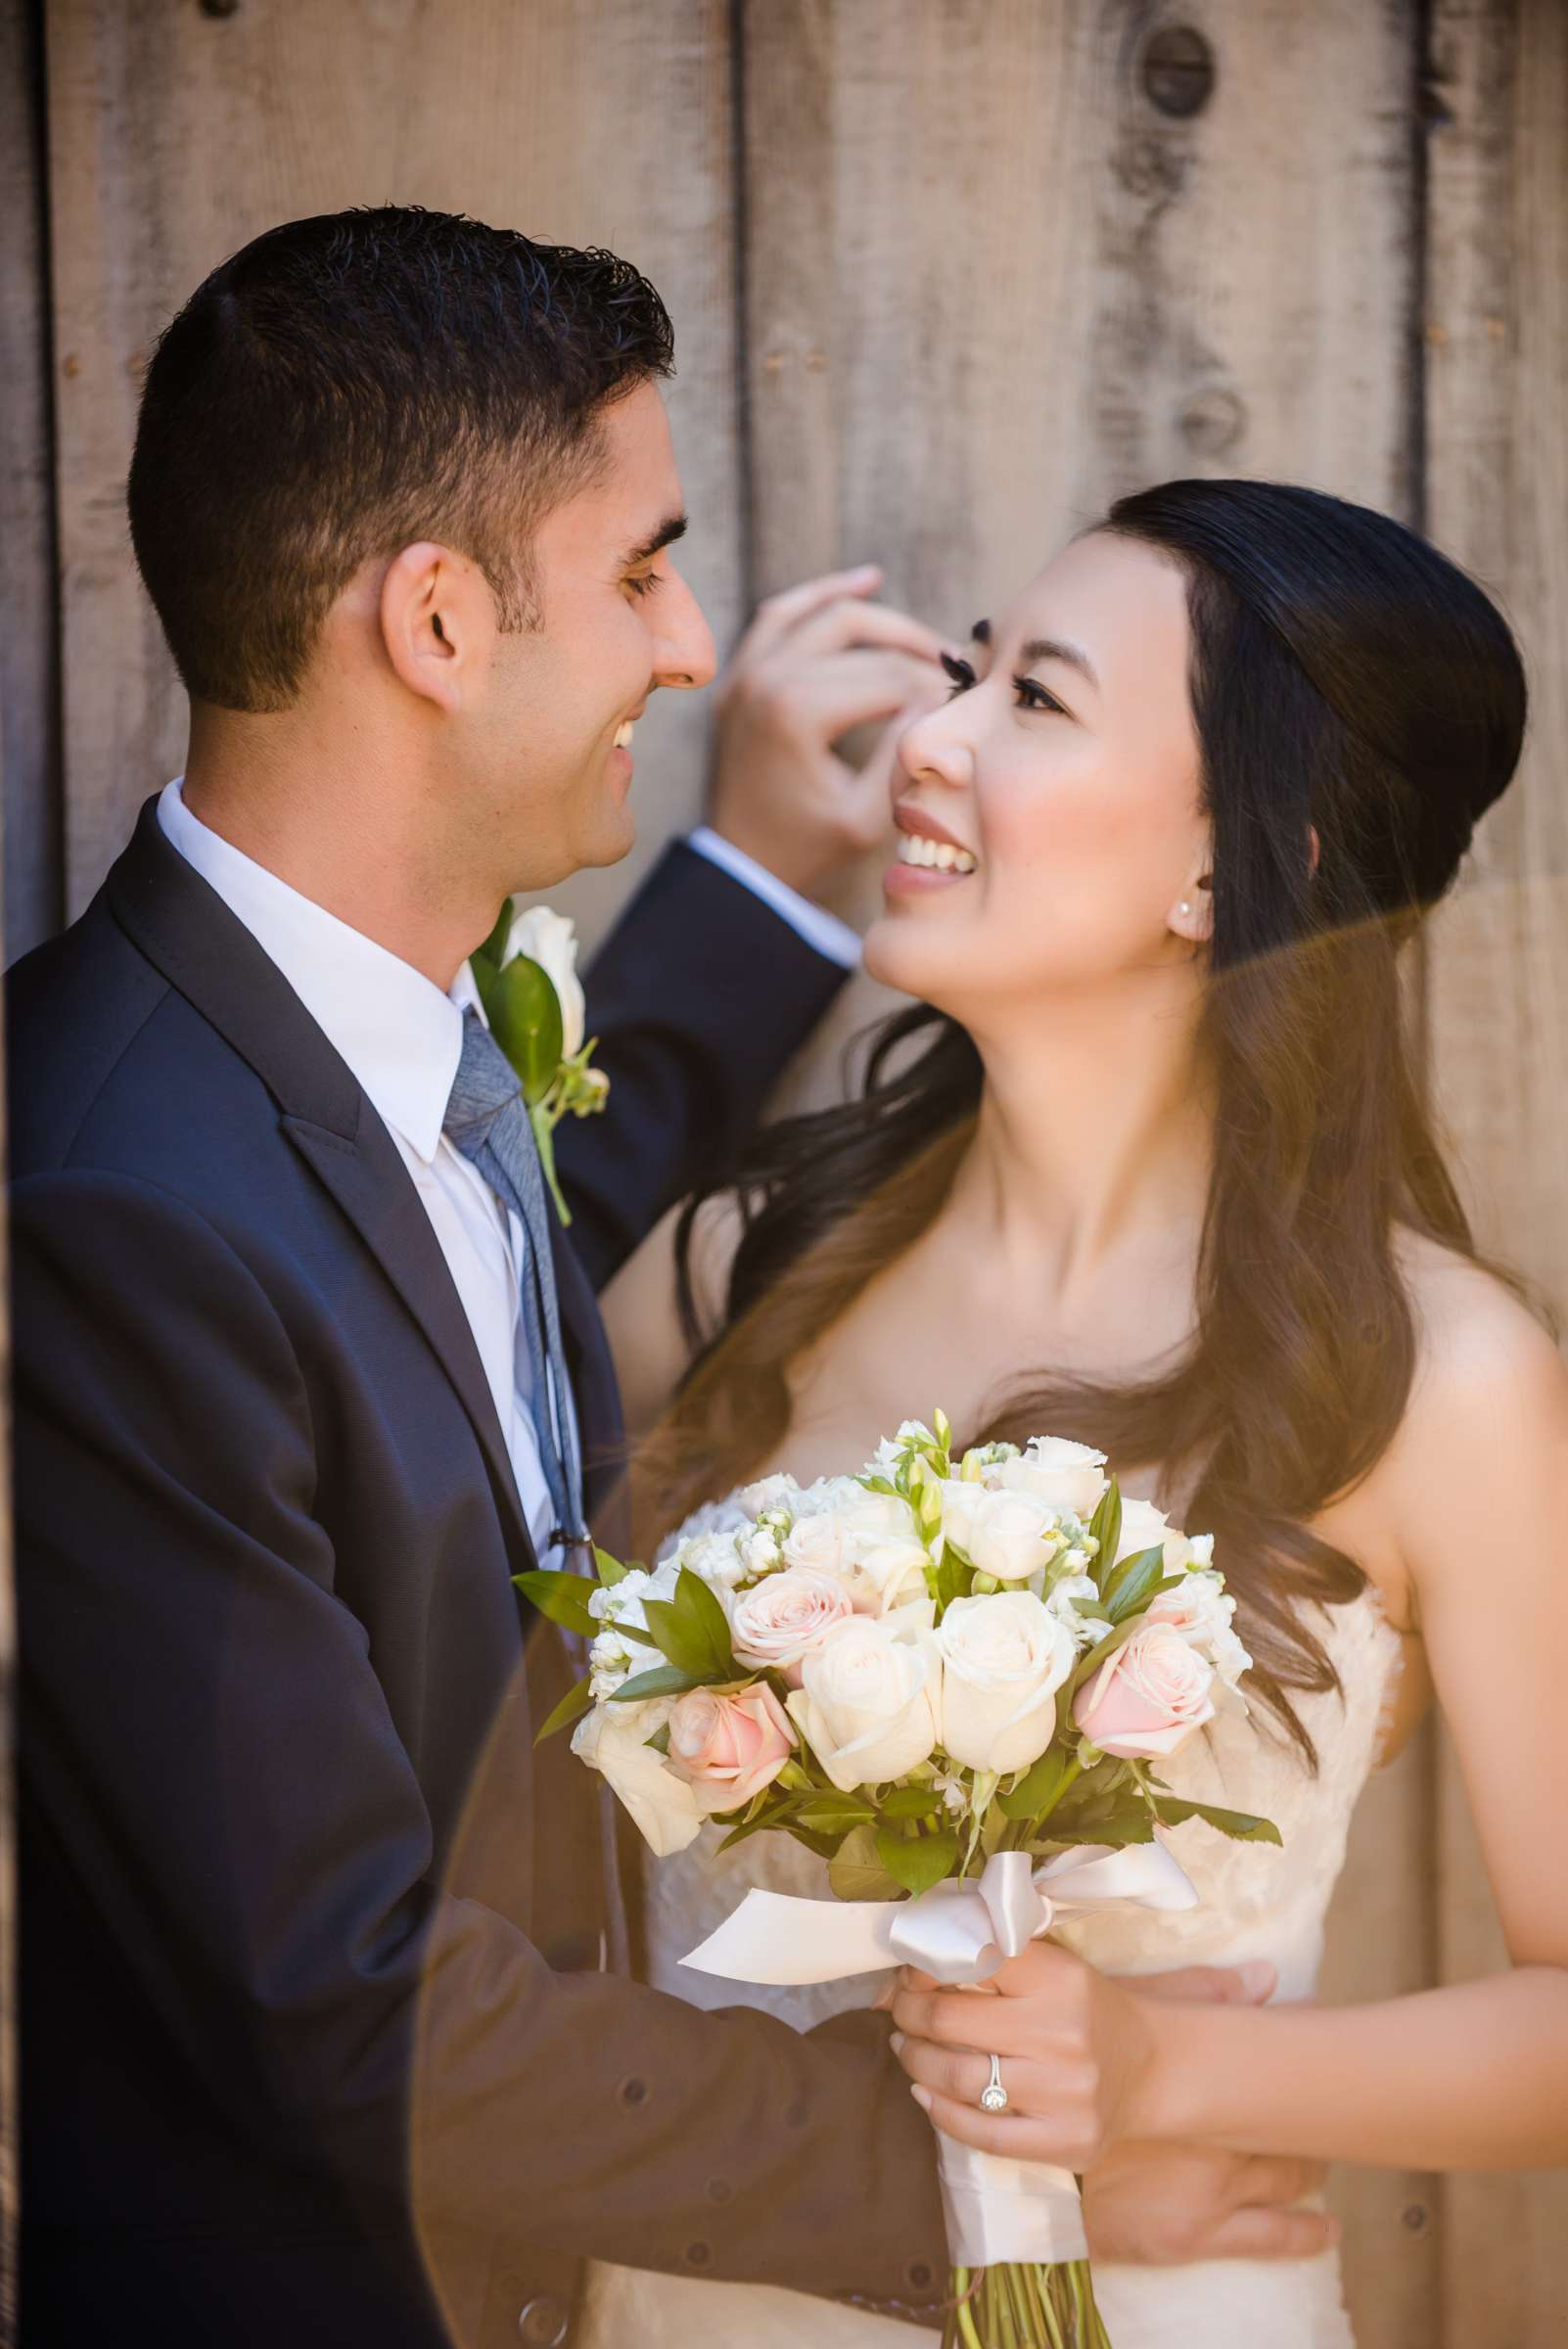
[1212, 420]
[1177, 71]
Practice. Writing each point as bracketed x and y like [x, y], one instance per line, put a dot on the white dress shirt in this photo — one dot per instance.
[402, 1040]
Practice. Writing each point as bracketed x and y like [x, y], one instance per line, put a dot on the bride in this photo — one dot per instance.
[1148, 1166]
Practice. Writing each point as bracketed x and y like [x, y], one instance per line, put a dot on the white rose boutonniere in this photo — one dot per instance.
[526, 976]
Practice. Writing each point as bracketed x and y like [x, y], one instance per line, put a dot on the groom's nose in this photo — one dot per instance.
[684, 653]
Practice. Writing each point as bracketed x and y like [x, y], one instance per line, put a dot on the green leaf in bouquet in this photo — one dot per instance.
[576, 1701]
[919, 1862]
[1240, 1823]
[660, 1740]
[1088, 1666]
[1038, 1788]
[609, 1570]
[1129, 1586]
[880, 1484]
[857, 1874]
[1106, 1527]
[525, 1015]
[664, 1680]
[908, 1802]
[1128, 1823]
[699, 1607]
[563, 1597]
[825, 1816]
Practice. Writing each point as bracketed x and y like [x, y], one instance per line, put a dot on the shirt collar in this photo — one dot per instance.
[400, 1035]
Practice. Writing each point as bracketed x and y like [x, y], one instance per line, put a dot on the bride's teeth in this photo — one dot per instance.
[623, 735]
[939, 855]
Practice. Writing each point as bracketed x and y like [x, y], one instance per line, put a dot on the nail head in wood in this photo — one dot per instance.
[1177, 71]
[220, 8]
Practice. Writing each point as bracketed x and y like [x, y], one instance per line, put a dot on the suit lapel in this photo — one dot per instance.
[369, 1183]
[186, 931]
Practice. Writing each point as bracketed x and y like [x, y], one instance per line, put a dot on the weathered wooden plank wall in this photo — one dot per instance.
[1497, 388]
[946, 277]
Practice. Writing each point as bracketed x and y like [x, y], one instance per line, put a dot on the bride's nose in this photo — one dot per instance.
[933, 750]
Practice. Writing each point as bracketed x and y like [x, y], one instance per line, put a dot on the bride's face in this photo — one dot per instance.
[1068, 771]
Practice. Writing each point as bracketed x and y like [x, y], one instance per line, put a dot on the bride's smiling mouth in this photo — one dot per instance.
[928, 855]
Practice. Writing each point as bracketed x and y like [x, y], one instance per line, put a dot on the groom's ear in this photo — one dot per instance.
[437, 620]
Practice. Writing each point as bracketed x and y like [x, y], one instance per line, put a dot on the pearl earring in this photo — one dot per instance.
[1184, 907]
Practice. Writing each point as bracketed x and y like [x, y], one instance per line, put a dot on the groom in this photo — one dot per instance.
[297, 1397]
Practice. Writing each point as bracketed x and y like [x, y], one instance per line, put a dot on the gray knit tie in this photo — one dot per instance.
[489, 1121]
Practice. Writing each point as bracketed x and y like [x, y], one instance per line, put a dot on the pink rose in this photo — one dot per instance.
[780, 1621]
[1148, 1698]
[728, 1747]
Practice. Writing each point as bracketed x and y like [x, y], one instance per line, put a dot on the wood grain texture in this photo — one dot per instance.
[29, 748]
[176, 137]
[1496, 337]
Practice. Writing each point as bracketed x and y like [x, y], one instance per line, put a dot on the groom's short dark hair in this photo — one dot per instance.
[347, 385]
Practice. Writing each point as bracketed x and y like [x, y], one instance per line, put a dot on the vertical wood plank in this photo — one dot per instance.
[177, 136]
[1498, 462]
[990, 287]
[28, 673]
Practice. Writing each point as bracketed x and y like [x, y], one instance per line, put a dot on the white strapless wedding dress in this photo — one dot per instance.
[1254, 1901]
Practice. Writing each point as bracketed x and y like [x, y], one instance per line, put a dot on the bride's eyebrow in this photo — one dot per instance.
[1054, 648]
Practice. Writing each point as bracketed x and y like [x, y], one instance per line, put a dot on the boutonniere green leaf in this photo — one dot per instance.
[527, 977]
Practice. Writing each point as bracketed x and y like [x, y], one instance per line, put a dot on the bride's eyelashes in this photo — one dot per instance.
[1032, 694]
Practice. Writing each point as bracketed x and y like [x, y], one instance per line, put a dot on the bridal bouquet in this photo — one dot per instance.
[953, 1681]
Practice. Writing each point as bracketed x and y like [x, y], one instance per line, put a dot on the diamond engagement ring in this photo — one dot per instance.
[993, 2096]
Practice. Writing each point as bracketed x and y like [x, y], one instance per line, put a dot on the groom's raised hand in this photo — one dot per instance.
[817, 662]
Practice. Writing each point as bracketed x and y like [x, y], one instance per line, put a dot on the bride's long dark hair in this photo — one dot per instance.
[1347, 682]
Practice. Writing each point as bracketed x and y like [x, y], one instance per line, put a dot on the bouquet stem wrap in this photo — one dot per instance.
[998, 2210]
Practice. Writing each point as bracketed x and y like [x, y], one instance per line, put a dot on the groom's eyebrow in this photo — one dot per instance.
[665, 535]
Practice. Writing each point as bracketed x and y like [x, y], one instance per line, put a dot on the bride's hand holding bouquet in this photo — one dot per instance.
[953, 1681]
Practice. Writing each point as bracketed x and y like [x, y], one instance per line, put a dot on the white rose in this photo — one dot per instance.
[885, 1575]
[1144, 1526]
[821, 1543]
[867, 1701]
[550, 939]
[1008, 1534]
[1003, 1658]
[1066, 1476]
[613, 1740]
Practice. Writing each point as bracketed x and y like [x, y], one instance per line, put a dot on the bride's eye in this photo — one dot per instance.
[960, 671]
[1034, 696]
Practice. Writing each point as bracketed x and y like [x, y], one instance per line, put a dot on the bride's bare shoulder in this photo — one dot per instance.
[1475, 1334]
[1488, 1401]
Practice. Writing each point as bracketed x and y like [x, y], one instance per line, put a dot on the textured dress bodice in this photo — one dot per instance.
[1254, 1901]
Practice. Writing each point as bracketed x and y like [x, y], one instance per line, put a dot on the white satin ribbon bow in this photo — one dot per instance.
[996, 2208]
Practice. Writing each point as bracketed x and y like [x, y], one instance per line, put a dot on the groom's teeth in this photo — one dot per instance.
[624, 736]
[939, 855]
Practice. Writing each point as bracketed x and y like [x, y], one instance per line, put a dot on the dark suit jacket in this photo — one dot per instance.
[291, 2049]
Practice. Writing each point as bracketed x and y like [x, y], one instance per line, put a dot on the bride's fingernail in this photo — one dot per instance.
[895, 2041]
[921, 2095]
